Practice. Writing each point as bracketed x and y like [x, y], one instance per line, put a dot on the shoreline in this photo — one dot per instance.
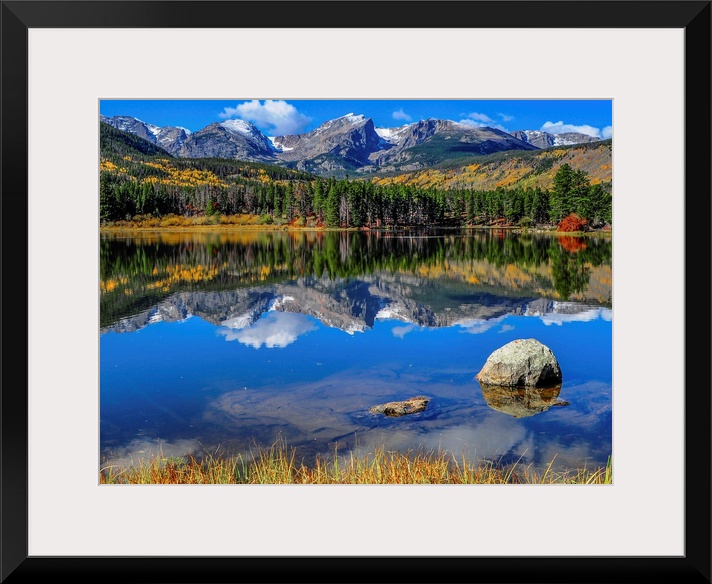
[217, 227]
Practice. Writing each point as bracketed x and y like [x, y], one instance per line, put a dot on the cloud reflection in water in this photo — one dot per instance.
[274, 330]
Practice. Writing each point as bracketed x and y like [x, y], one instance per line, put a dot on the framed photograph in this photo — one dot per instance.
[121, 118]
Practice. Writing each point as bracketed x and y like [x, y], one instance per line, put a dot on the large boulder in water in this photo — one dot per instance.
[521, 363]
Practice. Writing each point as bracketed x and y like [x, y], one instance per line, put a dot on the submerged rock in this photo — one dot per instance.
[521, 363]
[412, 405]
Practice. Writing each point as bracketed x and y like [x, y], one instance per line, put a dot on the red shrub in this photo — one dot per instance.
[572, 223]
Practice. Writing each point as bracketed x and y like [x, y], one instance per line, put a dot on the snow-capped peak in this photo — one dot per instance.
[354, 119]
[240, 127]
[351, 118]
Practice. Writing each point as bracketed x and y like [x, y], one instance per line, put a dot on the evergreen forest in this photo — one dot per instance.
[138, 178]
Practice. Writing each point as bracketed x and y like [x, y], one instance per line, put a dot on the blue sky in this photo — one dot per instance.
[280, 117]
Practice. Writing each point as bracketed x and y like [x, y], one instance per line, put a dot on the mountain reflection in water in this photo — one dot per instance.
[237, 339]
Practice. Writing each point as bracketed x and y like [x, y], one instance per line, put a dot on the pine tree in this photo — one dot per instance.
[331, 210]
[580, 203]
[107, 200]
[318, 200]
[600, 202]
[288, 202]
[559, 200]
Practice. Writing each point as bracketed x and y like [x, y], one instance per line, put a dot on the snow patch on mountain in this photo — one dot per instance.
[155, 317]
[390, 312]
[240, 127]
[559, 141]
[278, 147]
[353, 119]
[386, 133]
[543, 139]
[350, 118]
[241, 321]
[279, 302]
[355, 328]
[392, 136]
[155, 130]
[534, 133]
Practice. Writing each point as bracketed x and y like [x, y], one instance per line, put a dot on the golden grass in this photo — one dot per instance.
[242, 221]
[278, 465]
[177, 222]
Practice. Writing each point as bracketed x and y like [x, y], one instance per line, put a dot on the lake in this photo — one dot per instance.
[226, 341]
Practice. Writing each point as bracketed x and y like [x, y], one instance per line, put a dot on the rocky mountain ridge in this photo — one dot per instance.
[170, 138]
[542, 139]
[234, 139]
[350, 143]
[342, 143]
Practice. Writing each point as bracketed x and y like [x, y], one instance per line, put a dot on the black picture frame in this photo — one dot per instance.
[19, 16]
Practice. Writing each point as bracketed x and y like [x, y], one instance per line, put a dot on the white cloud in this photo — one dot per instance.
[560, 127]
[505, 117]
[476, 124]
[607, 132]
[401, 331]
[145, 449]
[478, 117]
[477, 326]
[401, 115]
[277, 329]
[276, 116]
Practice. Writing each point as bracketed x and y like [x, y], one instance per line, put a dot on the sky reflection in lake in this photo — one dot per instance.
[302, 358]
[289, 376]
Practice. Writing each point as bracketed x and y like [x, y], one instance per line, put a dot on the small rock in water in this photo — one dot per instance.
[412, 405]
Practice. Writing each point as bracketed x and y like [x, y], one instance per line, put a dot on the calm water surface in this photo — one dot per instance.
[231, 341]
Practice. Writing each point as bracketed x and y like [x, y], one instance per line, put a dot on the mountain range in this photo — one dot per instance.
[542, 139]
[348, 144]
